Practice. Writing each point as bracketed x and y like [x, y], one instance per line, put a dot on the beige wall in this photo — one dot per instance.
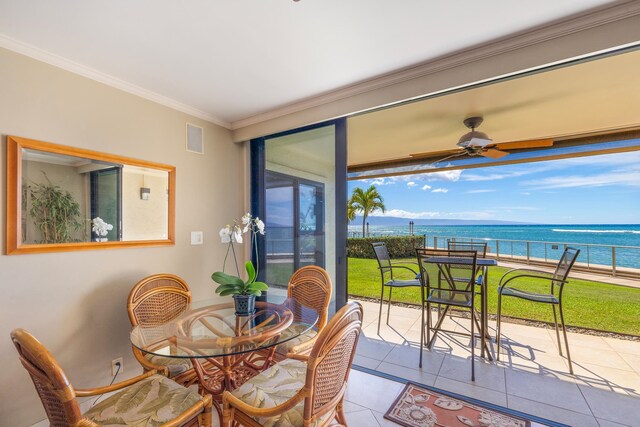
[75, 303]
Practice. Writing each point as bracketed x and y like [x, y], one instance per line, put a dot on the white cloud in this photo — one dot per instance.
[450, 175]
[479, 191]
[411, 184]
[400, 213]
[526, 193]
[379, 181]
[426, 187]
[440, 190]
[624, 178]
[518, 208]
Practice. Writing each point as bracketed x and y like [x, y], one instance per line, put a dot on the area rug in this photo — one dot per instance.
[419, 407]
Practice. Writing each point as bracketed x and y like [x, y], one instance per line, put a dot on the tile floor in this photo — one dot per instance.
[530, 377]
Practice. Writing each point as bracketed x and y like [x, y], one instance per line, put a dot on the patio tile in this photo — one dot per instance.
[395, 334]
[547, 390]
[623, 346]
[632, 359]
[382, 421]
[605, 423]
[585, 340]
[409, 356]
[551, 412]
[612, 406]
[488, 375]
[598, 356]
[352, 407]
[416, 375]
[605, 378]
[472, 390]
[371, 391]
[542, 364]
[372, 348]
[361, 419]
[365, 362]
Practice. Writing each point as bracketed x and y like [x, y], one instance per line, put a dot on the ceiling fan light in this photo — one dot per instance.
[474, 139]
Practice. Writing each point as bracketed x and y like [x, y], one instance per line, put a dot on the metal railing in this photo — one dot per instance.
[614, 259]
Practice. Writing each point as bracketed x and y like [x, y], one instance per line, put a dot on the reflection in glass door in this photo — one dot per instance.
[106, 200]
[298, 181]
[294, 218]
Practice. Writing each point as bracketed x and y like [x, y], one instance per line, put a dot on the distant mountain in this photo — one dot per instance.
[395, 221]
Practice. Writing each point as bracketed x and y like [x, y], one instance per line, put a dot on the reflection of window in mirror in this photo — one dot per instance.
[62, 198]
[66, 195]
[58, 194]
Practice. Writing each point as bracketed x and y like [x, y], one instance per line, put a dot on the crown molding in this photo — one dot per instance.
[93, 74]
[602, 16]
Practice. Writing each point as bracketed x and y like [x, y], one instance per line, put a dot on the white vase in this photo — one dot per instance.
[102, 239]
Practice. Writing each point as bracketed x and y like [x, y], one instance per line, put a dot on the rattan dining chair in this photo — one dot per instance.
[310, 287]
[305, 390]
[441, 273]
[387, 267]
[511, 283]
[148, 398]
[155, 300]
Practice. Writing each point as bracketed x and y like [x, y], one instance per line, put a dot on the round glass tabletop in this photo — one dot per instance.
[212, 329]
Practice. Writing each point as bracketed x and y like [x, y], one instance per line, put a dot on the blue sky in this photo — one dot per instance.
[602, 189]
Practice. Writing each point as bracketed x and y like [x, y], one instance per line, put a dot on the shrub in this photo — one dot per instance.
[398, 246]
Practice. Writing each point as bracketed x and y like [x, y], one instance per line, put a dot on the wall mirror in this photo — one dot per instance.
[62, 198]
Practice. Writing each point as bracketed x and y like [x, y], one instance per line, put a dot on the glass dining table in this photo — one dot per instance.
[226, 349]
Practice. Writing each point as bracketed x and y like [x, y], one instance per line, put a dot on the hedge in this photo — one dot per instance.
[398, 246]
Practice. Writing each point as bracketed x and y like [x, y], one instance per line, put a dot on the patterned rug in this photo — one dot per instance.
[418, 407]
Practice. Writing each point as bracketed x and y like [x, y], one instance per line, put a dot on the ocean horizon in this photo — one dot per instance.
[624, 237]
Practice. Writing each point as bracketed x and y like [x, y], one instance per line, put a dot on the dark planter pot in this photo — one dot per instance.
[245, 304]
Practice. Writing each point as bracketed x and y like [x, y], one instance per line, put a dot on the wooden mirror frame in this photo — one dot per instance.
[13, 237]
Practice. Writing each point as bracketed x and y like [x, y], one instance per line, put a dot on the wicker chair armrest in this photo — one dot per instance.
[303, 357]
[304, 347]
[117, 386]
[520, 273]
[147, 365]
[229, 399]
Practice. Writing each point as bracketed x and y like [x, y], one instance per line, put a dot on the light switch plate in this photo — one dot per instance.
[196, 237]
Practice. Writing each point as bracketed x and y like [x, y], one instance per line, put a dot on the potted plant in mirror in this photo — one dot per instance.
[244, 292]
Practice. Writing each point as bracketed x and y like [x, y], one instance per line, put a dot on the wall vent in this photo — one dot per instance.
[194, 139]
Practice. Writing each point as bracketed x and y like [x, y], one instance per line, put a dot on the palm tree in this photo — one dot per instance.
[365, 201]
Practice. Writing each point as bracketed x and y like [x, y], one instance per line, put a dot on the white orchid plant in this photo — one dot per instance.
[230, 234]
[100, 227]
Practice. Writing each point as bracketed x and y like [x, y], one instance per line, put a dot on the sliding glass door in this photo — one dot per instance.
[299, 188]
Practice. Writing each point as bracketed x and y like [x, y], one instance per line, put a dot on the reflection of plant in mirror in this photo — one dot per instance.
[54, 211]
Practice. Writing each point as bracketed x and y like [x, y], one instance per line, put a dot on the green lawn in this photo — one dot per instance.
[586, 304]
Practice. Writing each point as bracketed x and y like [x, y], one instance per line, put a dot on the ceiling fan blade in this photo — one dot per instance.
[428, 154]
[532, 143]
[493, 153]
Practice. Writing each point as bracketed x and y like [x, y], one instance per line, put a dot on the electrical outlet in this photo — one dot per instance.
[114, 366]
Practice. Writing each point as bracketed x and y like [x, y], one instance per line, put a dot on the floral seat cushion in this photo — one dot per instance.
[286, 346]
[150, 402]
[176, 365]
[274, 386]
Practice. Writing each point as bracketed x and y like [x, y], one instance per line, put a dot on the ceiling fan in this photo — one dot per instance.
[476, 143]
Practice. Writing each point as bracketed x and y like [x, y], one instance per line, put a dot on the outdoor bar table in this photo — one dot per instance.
[484, 264]
[226, 349]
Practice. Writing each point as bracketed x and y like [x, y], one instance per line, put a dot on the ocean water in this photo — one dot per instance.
[594, 241]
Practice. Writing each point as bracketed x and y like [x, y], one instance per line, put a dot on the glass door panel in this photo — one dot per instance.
[280, 236]
[300, 202]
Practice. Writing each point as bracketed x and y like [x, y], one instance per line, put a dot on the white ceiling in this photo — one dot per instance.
[231, 60]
